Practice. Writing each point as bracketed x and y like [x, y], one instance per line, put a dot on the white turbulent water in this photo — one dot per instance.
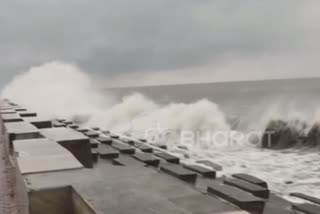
[61, 90]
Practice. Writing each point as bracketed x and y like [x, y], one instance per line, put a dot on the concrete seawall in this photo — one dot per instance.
[57, 167]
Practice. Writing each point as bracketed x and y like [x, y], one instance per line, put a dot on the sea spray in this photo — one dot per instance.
[57, 89]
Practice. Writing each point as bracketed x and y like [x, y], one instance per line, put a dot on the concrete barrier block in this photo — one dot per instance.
[73, 126]
[168, 157]
[123, 148]
[254, 189]
[114, 136]
[205, 172]
[143, 147]
[91, 134]
[147, 158]
[95, 154]
[306, 197]
[237, 197]
[179, 172]
[9, 118]
[208, 163]
[77, 143]
[104, 140]
[27, 114]
[57, 124]
[94, 143]
[251, 179]
[82, 130]
[38, 122]
[107, 152]
[306, 208]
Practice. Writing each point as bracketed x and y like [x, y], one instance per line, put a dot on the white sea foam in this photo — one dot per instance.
[62, 90]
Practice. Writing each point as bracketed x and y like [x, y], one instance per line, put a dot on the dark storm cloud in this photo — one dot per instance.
[122, 36]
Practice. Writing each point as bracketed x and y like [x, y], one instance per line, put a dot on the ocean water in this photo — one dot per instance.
[252, 104]
[164, 114]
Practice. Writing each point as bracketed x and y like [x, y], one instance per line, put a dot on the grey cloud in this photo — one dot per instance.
[119, 36]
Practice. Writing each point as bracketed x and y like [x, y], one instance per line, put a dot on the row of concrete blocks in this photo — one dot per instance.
[244, 191]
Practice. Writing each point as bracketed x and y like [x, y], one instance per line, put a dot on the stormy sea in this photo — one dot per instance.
[224, 122]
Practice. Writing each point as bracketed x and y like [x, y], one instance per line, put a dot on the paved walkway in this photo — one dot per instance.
[7, 182]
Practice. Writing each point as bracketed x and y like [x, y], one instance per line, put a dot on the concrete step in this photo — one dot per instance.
[254, 189]
[95, 154]
[27, 114]
[237, 197]
[94, 143]
[205, 172]
[179, 172]
[251, 179]
[143, 147]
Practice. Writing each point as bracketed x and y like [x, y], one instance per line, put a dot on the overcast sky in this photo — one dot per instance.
[163, 41]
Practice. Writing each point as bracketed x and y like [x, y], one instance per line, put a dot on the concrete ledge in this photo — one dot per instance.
[237, 197]
[251, 179]
[179, 172]
[205, 172]
[255, 190]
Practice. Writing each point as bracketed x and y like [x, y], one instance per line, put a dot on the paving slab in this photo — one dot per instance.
[147, 158]
[237, 197]
[254, 189]
[11, 118]
[179, 172]
[211, 164]
[77, 143]
[205, 172]
[251, 179]
[43, 155]
[168, 157]
[306, 197]
[307, 208]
